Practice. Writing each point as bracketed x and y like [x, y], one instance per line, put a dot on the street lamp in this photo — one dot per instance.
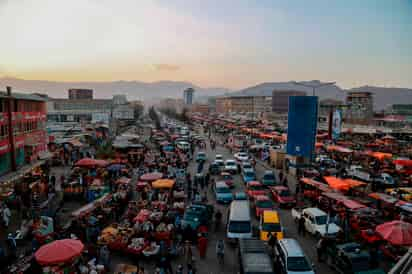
[313, 86]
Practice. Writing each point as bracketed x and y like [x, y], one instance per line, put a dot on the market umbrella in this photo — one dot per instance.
[396, 232]
[90, 163]
[153, 176]
[163, 183]
[59, 251]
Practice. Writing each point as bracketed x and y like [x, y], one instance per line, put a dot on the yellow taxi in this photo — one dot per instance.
[270, 223]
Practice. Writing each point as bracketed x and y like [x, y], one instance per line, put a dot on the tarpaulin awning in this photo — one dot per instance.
[342, 184]
[59, 251]
[379, 155]
[396, 232]
[321, 186]
[163, 183]
[153, 176]
[403, 162]
[90, 163]
[383, 197]
[339, 149]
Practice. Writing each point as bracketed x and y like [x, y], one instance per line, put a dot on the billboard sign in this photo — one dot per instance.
[336, 124]
[302, 125]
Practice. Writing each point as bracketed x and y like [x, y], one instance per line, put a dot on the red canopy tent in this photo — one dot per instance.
[91, 163]
[153, 176]
[406, 163]
[59, 251]
[396, 232]
[342, 184]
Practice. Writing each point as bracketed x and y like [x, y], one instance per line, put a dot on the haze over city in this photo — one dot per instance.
[231, 44]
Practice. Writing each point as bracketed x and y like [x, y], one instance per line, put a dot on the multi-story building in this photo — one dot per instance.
[80, 93]
[200, 108]
[22, 129]
[188, 95]
[360, 107]
[172, 103]
[401, 109]
[262, 104]
[280, 99]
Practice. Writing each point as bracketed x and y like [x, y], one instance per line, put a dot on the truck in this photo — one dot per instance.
[358, 172]
[198, 214]
[253, 257]
[316, 222]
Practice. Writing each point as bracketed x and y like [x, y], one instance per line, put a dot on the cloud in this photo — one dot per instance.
[165, 67]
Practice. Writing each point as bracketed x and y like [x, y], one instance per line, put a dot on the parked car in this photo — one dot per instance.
[262, 203]
[223, 193]
[290, 258]
[246, 165]
[231, 166]
[241, 156]
[248, 175]
[269, 178]
[201, 157]
[316, 222]
[270, 223]
[214, 168]
[197, 214]
[358, 172]
[255, 188]
[240, 196]
[227, 178]
[219, 160]
[283, 196]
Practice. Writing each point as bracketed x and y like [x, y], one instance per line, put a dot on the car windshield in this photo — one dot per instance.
[247, 166]
[271, 227]
[222, 190]
[284, 193]
[230, 163]
[264, 204]
[190, 215]
[227, 177]
[268, 177]
[321, 220]
[298, 264]
[239, 227]
[249, 174]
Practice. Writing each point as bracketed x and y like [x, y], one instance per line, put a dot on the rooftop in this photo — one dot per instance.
[22, 96]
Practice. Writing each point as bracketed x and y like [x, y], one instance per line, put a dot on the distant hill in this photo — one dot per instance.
[133, 89]
[383, 97]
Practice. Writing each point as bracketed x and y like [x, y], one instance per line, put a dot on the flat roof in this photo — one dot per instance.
[22, 96]
[292, 247]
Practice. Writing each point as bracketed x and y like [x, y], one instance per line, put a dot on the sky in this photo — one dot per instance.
[211, 43]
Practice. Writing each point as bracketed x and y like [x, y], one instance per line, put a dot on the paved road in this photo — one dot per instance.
[232, 263]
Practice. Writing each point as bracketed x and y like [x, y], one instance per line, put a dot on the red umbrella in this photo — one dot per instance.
[90, 163]
[59, 251]
[151, 176]
[396, 232]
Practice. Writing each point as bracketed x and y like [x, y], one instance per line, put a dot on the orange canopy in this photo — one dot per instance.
[339, 149]
[342, 184]
[380, 155]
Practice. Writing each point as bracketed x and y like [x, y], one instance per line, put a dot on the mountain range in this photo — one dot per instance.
[137, 90]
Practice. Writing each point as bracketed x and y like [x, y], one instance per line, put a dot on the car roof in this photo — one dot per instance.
[262, 198]
[254, 183]
[315, 211]
[271, 216]
[230, 160]
[221, 184]
[292, 247]
[280, 188]
[269, 172]
[240, 210]
[225, 174]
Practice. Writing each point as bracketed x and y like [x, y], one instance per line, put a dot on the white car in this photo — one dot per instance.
[219, 157]
[241, 156]
[316, 221]
[231, 166]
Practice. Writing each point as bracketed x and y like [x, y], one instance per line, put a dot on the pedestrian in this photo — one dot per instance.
[188, 253]
[272, 240]
[280, 176]
[218, 219]
[220, 251]
[285, 182]
[301, 226]
[6, 215]
[202, 245]
[319, 249]
[104, 257]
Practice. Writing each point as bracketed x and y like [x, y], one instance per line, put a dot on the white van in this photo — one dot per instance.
[239, 221]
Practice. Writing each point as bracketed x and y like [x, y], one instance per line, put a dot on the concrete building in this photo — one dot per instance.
[280, 99]
[401, 109]
[80, 93]
[360, 107]
[200, 108]
[22, 129]
[172, 103]
[211, 101]
[262, 104]
[119, 100]
[123, 112]
[188, 95]
[244, 104]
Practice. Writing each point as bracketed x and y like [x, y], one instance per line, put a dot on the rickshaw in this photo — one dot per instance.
[385, 203]
[313, 189]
